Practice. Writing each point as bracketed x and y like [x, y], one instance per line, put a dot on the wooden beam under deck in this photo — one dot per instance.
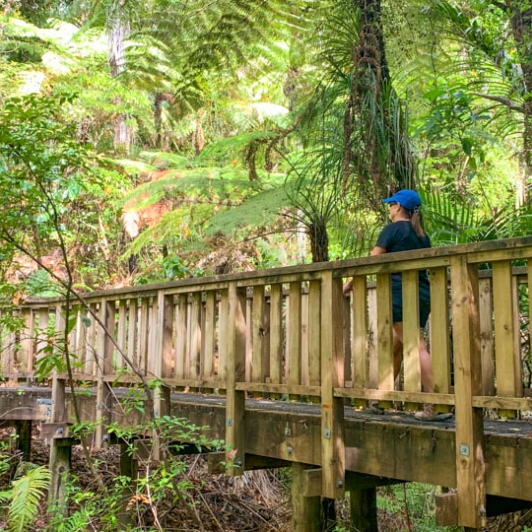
[390, 447]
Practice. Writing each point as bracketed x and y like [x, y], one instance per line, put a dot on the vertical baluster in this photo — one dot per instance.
[152, 360]
[411, 364]
[189, 346]
[121, 338]
[195, 336]
[209, 338]
[81, 349]
[373, 334]
[508, 359]
[143, 329]
[133, 332]
[166, 313]
[360, 333]
[305, 370]
[59, 331]
[43, 334]
[440, 342]
[8, 350]
[182, 335]
[487, 347]
[73, 337]
[259, 359]
[294, 334]
[385, 334]
[222, 337]
[249, 343]
[92, 347]
[105, 336]
[27, 342]
[314, 333]
[276, 333]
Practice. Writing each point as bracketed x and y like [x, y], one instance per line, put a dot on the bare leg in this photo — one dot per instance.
[425, 360]
[397, 348]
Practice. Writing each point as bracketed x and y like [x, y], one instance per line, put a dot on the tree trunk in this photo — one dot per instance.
[118, 33]
[376, 142]
[319, 241]
[521, 17]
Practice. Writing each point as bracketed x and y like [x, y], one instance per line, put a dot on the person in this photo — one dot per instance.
[405, 233]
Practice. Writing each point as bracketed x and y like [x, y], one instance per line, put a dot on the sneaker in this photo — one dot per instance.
[429, 414]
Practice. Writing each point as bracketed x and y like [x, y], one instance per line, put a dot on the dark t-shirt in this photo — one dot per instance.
[400, 236]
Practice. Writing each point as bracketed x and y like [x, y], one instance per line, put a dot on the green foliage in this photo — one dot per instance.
[39, 284]
[24, 497]
[412, 507]
[161, 481]
[42, 169]
[258, 210]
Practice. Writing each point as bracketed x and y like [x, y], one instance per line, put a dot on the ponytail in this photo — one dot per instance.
[416, 219]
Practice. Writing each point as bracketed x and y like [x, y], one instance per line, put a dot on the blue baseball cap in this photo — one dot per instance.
[409, 199]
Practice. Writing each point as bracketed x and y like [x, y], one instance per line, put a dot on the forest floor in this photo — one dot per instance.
[255, 501]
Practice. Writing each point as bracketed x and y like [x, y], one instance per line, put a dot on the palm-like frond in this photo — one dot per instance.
[452, 219]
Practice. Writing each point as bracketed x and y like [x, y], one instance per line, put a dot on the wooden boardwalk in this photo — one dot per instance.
[281, 365]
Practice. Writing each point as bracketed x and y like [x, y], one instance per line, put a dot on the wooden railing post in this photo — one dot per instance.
[332, 376]
[104, 358]
[470, 466]
[27, 341]
[164, 353]
[440, 344]
[235, 430]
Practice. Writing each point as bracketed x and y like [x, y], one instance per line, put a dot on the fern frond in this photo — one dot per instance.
[27, 492]
[258, 210]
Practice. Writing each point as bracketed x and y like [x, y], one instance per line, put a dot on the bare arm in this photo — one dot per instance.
[377, 250]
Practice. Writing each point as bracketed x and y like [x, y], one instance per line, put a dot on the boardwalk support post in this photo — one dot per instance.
[60, 451]
[363, 504]
[60, 465]
[306, 506]
[446, 509]
[23, 428]
[128, 469]
[470, 466]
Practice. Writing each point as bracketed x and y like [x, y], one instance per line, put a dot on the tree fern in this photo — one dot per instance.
[258, 210]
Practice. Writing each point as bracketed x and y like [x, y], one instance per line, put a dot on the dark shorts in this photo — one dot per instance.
[424, 303]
